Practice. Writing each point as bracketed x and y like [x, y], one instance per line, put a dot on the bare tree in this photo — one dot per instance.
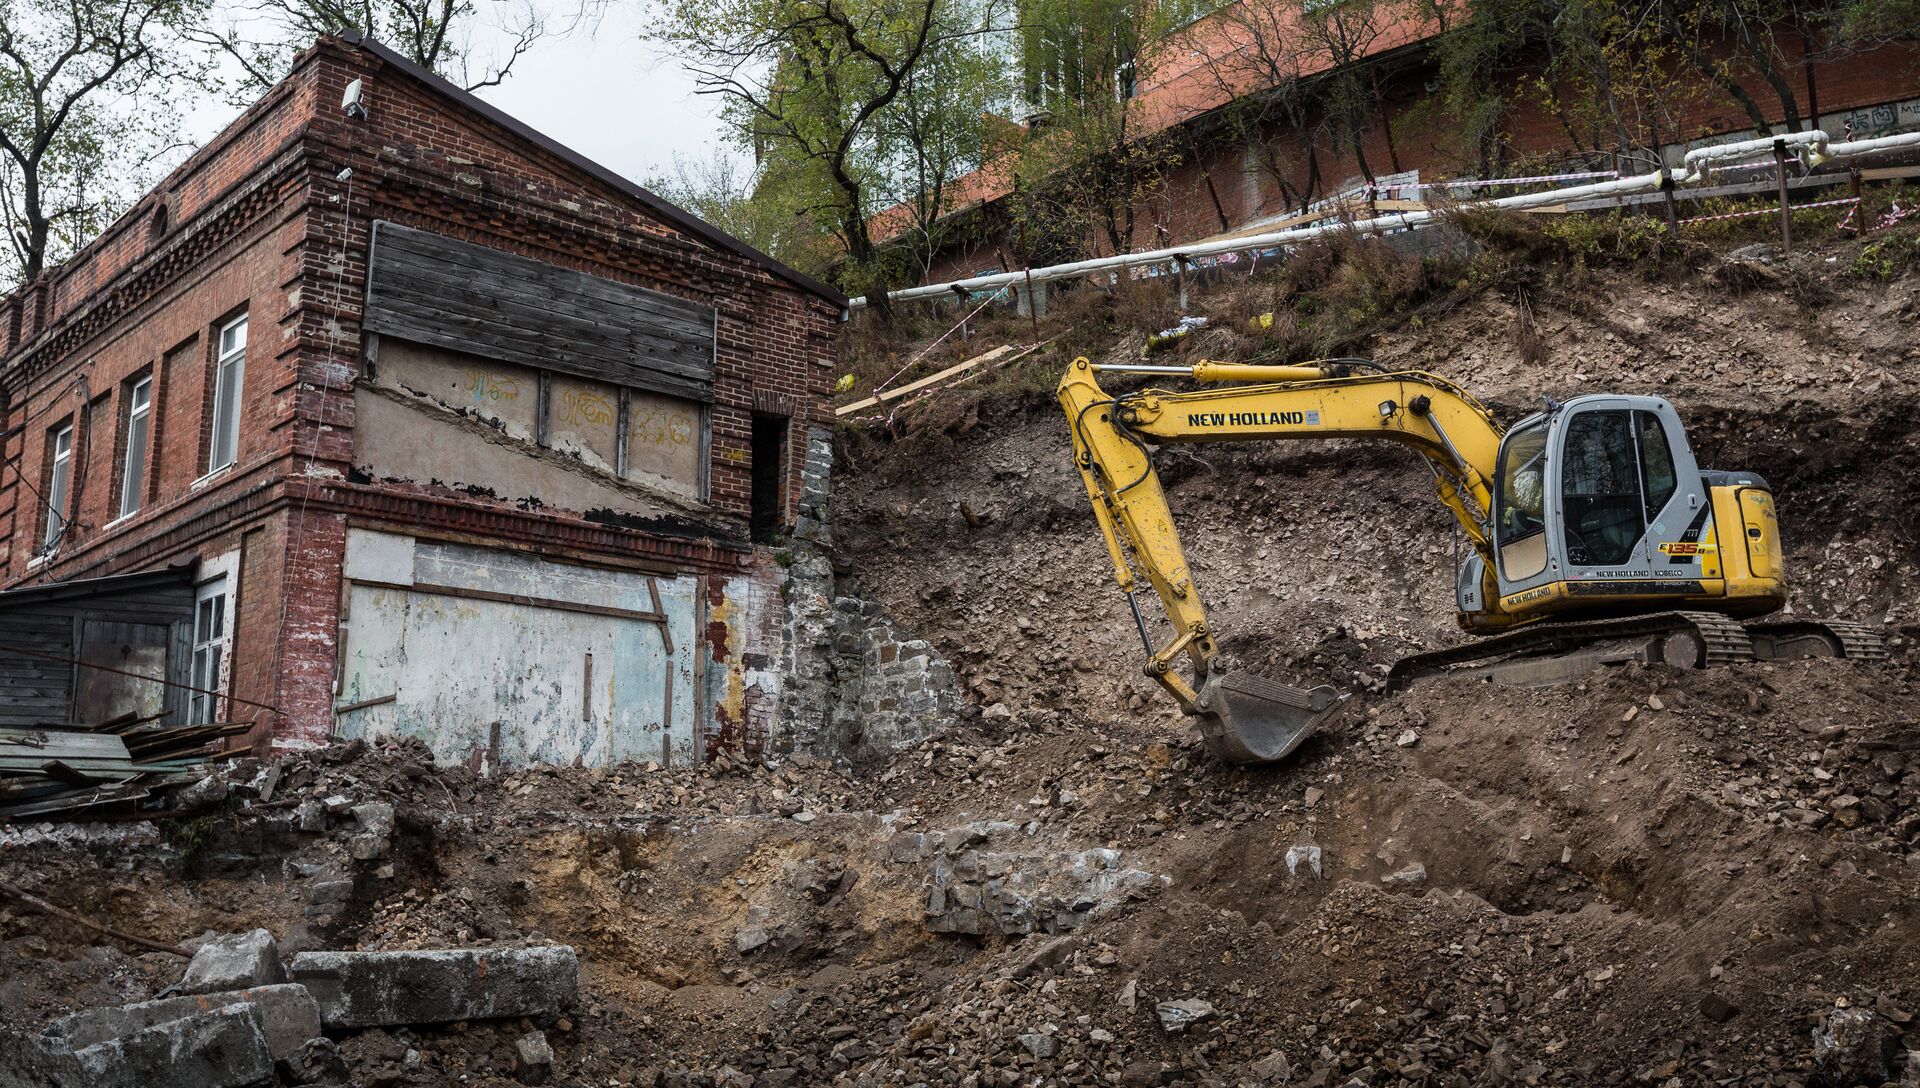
[78, 127]
[261, 38]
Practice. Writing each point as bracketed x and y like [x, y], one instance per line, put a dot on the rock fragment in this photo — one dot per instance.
[316, 1061]
[1854, 1046]
[533, 1058]
[372, 989]
[1177, 1016]
[233, 961]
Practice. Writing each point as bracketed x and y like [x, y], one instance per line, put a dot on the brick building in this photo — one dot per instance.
[1239, 165]
[409, 420]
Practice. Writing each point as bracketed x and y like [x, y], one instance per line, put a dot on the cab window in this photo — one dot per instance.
[1656, 463]
[1521, 501]
[1601, 503]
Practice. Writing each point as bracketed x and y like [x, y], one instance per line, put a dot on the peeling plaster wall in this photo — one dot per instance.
[493, 682]
[434, 416]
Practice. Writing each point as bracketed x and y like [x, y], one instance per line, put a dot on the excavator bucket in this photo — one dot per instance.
[1250, 719]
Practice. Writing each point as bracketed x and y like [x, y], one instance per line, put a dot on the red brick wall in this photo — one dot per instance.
[1425, 138]
[259, 219]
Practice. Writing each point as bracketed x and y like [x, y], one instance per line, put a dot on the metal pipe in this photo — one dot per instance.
[1814, 143]
[1380, 225]
[1853, 149]
[1742, 149]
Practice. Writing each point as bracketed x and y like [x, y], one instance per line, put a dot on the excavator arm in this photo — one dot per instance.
[1245, 718]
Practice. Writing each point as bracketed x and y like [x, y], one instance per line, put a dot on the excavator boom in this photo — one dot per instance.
[1245, 718]
[1592, 513]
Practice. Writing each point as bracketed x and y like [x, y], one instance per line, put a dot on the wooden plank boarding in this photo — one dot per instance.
[902, 390]
[463, 297]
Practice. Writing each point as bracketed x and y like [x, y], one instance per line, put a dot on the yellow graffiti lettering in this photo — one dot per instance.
[491, 387]
[586, 409]
[662, 429]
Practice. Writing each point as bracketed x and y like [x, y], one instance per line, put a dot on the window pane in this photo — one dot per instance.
[1600, 479]
[57, 482]
[226, 416]
[133, 472]
[233, 337]
[1522, 480]
[1656, 463]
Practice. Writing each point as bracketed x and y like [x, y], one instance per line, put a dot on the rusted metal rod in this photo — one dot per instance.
[1786, 212]
[45, 907]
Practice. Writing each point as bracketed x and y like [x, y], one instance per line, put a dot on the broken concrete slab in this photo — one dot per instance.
[287, 1015]
[378, 989]
[32, 1061]
[233, 961]
[224, 1048]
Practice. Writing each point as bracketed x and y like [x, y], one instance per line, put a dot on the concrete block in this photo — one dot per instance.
[372, 989]
[34, 1061]
[233, 961]
[225, 1048]
[287, 1014]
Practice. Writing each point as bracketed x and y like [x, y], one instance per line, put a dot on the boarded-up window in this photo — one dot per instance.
[469, 298]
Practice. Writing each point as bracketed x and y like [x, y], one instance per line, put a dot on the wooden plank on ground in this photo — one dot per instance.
[902, 390]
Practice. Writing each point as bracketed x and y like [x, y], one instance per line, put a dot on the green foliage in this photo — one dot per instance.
[1091, 160]
[838, 98]
[190, 836]
[1888, 257]
[1597, 238]
[751, 206]
[85, 117]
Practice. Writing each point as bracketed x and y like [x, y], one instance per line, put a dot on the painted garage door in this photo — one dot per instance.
[498, 658]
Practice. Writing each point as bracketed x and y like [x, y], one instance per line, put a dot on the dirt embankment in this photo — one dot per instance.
[1652, 877]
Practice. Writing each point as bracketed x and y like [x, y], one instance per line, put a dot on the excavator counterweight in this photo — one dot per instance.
[1595, 536]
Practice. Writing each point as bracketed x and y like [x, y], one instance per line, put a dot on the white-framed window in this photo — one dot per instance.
[59, 482]
[209, 642]
[133, 469]
[229, 371]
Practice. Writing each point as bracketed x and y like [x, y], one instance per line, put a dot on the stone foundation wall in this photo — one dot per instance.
[856, 686]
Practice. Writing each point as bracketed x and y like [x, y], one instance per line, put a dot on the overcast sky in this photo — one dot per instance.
[600, 91]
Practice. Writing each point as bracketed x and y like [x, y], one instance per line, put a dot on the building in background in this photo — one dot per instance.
[386, 414]
[1258, 110]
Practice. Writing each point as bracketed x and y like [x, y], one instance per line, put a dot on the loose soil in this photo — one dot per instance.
[1653, 876]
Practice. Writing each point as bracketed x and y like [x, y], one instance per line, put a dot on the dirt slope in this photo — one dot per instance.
[1653, 877]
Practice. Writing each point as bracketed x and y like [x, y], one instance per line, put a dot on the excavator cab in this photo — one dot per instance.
[1599, 508]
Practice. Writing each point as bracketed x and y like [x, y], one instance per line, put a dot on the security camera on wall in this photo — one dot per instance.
[351, 101]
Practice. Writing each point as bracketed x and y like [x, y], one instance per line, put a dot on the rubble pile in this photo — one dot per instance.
[1652, 877]
[275, 1032]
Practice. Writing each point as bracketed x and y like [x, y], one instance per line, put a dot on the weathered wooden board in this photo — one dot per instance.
[64, 755]
[932, 379]
[464, 297]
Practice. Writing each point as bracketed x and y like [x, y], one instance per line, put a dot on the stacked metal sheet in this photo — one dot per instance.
[48, 771]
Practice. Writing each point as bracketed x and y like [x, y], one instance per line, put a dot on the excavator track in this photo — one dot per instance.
[1683, 639]
[1793, 636]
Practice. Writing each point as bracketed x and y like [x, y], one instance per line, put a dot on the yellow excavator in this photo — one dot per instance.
[1595, 537]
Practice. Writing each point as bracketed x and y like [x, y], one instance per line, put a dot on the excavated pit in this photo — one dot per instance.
[1650, 877]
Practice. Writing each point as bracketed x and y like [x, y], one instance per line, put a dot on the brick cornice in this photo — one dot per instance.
[245, 203]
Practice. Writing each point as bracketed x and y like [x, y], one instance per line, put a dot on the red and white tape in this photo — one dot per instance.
[1773, 210]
